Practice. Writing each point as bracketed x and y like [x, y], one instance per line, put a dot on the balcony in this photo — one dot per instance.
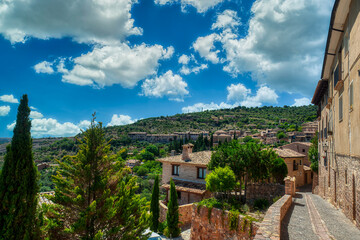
[339, 85]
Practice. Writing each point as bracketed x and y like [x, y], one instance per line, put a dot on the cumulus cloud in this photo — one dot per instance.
[238, 95]
[115, 64]
[227, 19]
[118, 120]
[85, 21]
[169, 85]
[301, 102]
[9, 99]
[198, 107]
[284, 45]
[184, 59]
[36, 114]
[206, 49]
[237, 92]
[44, 67]
[49, 127]
[190, 65]
[84, 124]
[200, 5]
[4, 110]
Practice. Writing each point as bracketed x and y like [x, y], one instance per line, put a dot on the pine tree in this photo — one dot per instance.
[95, 195]
[172, 216]
[18, 182]
[154, 206]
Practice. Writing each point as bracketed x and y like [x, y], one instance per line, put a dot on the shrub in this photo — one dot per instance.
[261, 204]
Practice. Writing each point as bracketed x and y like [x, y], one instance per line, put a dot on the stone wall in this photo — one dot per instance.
[217, 226]
[270, 227]
[185, 213]
[264, 190]
[315, 184]
[187, 172]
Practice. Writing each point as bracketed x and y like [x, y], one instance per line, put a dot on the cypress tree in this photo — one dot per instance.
[172, 216]
[18, 182]
[154, 206]
[95, 195]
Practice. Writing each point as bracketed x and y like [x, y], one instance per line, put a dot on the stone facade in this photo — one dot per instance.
[300, 147]
[185, 213]
[217, 226]
[337, 96]
[266, 191]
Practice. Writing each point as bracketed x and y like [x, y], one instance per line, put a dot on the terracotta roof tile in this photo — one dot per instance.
[184, 186]
[197, 158]
[288, 153]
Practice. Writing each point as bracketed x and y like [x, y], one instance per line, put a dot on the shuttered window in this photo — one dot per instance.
[351, 95]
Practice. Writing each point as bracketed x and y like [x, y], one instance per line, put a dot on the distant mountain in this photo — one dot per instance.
[4, 140]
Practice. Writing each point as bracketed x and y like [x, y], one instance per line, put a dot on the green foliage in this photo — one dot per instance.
[19, 182]
[146, 155]
[152, 149]
[281, 135]
[313, 154]
[221, 180]
[172, 216]
[95, 195]
[233, 219]
[276, 199]
[278, 169]
[154, 206]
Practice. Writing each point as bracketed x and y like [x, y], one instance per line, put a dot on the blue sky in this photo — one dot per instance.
[127, 59]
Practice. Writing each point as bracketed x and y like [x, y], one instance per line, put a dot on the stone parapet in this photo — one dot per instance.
[290, 186]
[185, 213]
[267, 191]
[214, 224]
[270, 227]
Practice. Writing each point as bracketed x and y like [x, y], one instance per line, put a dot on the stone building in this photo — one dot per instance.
[188, 171]
[338, 100]
[300, 147]
[295, 165]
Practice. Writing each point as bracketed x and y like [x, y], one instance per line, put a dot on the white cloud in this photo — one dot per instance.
[84, 124]
[200, 5]
[301, 102]
[44, 67]
[169, 85]
[198, 107]
[190, 65]
[49, 127]
[33, 108]
[237, 93]
[116, 64]
[284, 45]
[227, 19]
[36, 114]
[9, 98]
[184, 59]
[97, 21]
[196, 69]
[205, 47]
[4, 110]
[118, 120]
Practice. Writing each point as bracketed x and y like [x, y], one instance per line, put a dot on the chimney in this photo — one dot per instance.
[172, 153]
[187, 149]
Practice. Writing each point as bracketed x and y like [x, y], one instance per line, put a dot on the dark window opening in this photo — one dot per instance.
[175, 170]
[201, 173]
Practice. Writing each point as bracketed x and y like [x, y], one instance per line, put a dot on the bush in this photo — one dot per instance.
[261, 204]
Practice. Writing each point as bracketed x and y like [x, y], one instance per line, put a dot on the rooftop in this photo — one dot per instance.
[184, 186]
[288, 153]
[197, 158]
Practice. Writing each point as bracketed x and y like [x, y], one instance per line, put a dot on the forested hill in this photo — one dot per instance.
[236, 118]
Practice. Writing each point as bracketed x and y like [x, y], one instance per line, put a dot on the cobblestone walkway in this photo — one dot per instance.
[313, 218]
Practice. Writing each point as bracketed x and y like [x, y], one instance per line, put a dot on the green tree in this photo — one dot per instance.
[154, 206]
[95, 195]
[19, 182]
[221, 180]
[153, 149]
[146, 155]
[313, 154]
[172, 216]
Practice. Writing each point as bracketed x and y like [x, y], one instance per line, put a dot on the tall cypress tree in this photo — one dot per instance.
[154, 206]
[95, 195]
[172, 216]
[18, 182]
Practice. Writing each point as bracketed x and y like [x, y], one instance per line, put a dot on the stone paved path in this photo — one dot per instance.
[313, 218]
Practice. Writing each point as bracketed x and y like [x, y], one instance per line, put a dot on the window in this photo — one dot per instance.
[303, 150]
[346, 41]
[201, 173]
[295, 165]
[178, 194]
[351, 95]
[175, 170]
[336, 75]
[341, 104]
[300, 162]
[346, 177]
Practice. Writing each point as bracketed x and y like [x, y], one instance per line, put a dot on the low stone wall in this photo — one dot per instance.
[216, 225]
[185, 213]
[315, 184]
[270, 227]
[267, 191]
